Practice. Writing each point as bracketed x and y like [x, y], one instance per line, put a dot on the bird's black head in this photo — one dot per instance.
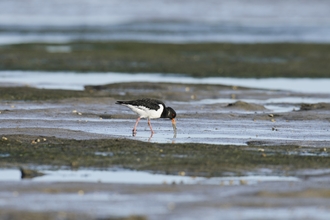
[170, 113]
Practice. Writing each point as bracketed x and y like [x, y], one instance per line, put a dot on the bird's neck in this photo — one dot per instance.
[164, 113]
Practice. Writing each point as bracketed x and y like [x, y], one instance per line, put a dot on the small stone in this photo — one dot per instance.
[4, 138]
[74, 111]
[273, 120]
[79, 113]
[28, 174]
[243, 182]
[182, 173]
[271, 115]
[81, 192]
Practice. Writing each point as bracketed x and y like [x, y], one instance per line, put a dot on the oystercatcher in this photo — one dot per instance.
[150, 108]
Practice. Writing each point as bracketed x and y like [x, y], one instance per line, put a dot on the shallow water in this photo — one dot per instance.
[137, 177]
[232, 198]
[77, 81]
[192, 129]
[119, 193]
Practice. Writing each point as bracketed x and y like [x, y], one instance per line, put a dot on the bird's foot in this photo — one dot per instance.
[133, 133]
[150, 136]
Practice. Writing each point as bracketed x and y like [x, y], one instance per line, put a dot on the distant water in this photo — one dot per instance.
[165, 20]
[77, 81]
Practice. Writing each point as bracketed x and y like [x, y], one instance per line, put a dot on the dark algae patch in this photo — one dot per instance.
[28, 215]
[29, 94]
[193, 159]
[199, 60]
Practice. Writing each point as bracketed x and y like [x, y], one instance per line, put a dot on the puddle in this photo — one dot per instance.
[304, 153]
[281, 100]
[311, 154]
[77, 81]
[277, 105]
[138, 177]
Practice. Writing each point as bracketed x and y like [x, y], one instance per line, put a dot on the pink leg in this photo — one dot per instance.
[152, 132]
[136, 123]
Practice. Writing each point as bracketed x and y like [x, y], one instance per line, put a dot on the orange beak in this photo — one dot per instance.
[174, 124]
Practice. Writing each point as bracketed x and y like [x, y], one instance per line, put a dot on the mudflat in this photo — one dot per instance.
[262, 154]
[60, 129]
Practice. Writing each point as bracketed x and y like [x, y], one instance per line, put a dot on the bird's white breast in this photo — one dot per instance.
[145, 112]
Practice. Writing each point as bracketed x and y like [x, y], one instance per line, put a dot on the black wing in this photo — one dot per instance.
[149, 103]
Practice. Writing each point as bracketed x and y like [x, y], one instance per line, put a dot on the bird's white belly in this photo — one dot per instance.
[144, 112]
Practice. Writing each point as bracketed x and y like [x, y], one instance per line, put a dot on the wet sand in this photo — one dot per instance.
[222, 131]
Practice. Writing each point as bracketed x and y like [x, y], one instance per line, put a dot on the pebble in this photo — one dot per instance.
[243, 182]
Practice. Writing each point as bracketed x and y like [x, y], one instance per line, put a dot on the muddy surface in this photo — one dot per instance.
[223, 131]
[191, 158]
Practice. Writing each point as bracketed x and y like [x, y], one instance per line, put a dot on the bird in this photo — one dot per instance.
[150, 109]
